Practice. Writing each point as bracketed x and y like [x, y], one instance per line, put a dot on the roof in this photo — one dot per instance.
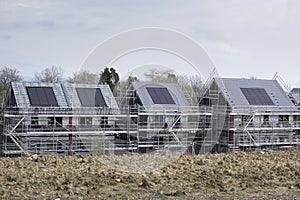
[86, 95]
[155, 95]
[29, 94]
[253, 92]
[295, 93]
[63, 95]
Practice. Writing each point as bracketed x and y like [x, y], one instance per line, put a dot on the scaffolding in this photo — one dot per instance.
[261, 129]
[65, 131]
[192, 128]
[129, 128]
[251, 128]
[211, 121]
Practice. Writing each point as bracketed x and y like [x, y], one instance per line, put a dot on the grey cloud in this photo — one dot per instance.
[5, 37]
[46, 23]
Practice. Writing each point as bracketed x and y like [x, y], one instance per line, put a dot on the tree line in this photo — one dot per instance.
[55, 74]
[109, 76]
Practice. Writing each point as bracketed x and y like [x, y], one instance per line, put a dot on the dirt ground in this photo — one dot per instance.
[256, 175]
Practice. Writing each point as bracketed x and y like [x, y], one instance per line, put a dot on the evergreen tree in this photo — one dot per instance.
[110, 77]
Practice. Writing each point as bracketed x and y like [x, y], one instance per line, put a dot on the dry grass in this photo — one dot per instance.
[242, 175]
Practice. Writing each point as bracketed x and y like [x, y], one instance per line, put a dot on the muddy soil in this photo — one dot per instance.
[257, 175]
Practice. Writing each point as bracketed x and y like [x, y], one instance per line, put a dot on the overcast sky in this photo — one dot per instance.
[244, 38]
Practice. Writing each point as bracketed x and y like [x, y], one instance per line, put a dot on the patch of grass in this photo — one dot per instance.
[99, 150]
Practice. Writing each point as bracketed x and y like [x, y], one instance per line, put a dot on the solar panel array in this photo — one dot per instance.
[42, 96]
[160, 95]
[91, 97]
[257, 96]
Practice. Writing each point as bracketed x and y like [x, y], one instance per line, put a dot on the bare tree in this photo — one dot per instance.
[194, 81]
[52, 74]
[191, 85]
[84, 77]
[8, 75]
[166, 76]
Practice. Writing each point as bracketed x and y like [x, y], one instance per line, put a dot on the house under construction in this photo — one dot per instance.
[56, 119]
[259, 115]
[162, 115]
[71, 119]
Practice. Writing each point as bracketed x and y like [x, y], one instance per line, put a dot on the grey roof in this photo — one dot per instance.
[174, 90]
[73, 98]
[65, 94]
[22, 98]
[231, 89]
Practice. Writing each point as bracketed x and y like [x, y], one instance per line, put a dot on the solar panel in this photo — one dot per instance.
[91, 97]
[295, 90]
[160, 95]
[42, 96]
[257, 96]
